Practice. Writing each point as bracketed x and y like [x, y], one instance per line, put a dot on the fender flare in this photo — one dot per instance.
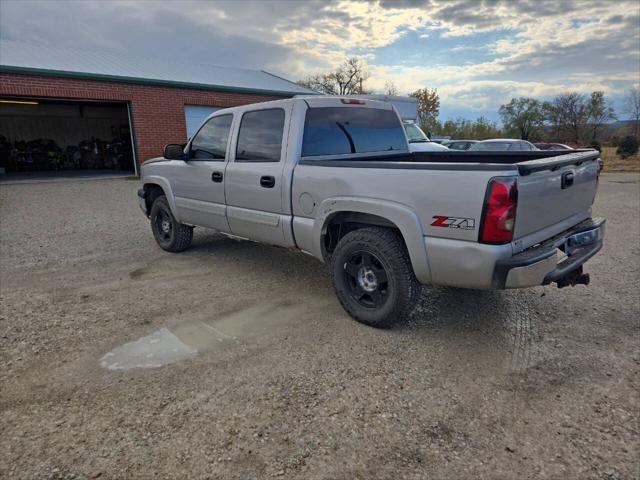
[166, 188]
[400, 215]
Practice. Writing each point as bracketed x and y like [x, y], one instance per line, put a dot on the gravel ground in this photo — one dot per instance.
[536, 383]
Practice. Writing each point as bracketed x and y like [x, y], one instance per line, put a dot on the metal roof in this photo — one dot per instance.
[46, 59]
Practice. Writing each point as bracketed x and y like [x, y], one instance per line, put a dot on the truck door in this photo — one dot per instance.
[254, 179]
[198, 182]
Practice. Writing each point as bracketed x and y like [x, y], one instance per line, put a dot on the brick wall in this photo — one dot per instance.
[157, 111]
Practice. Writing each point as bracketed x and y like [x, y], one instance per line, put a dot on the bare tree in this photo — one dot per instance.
[554, 119]
[631, 106]
[573, 109]
[600, 113]
[347, 79]
[391, 89]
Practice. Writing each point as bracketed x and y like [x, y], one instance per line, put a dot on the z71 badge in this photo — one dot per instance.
[454, 222]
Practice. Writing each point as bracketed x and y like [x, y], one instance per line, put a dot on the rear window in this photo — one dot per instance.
[340, 130]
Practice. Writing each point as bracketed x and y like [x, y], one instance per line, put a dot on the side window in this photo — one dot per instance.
[516, 146]
[210, 143]
[260, 136]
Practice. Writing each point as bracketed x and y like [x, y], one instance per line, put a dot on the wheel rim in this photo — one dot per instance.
[366, 279]
[164, 225]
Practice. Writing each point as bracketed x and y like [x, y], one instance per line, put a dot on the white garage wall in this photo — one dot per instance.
[194, 115]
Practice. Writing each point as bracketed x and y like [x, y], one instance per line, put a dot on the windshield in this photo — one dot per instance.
[491, 146]
[414, 134]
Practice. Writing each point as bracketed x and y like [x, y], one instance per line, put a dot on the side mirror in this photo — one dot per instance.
[174, 151]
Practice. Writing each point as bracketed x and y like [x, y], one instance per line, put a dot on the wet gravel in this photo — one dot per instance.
[536, 383]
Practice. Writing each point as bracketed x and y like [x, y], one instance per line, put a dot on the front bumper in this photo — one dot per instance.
[539, 265]
[142, 202]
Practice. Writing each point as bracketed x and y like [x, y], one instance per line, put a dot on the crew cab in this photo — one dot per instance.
[333, 177]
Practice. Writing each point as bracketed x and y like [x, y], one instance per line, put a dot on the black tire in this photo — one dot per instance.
[374, 257]
[170, 234]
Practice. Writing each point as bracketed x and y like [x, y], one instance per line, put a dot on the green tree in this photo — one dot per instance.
[462, 128]
[522, 116]
[628, 146]
[428, 108]
[599, 113]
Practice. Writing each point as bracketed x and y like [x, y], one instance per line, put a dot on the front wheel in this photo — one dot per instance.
[373, 277]
[170, 234]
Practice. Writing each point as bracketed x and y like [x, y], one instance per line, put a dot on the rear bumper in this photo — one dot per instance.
[539, 265]
[476, 265]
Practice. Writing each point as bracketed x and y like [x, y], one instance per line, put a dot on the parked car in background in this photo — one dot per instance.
[460, 144]
[503, 145]
[552, 146]
[418, 141]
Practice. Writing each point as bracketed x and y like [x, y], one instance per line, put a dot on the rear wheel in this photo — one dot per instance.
[170, 234]
[373, 278]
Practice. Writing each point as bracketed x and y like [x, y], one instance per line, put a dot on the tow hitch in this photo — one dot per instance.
[573, 278]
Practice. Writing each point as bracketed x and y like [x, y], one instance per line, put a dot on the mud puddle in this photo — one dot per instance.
[185, 340]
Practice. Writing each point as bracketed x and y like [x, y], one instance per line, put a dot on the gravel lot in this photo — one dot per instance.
[537, 383]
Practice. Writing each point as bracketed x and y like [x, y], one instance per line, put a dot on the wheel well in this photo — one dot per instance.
[342, 223]
[151, 192]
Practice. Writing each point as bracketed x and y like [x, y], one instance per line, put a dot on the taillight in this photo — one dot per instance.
[499, 211]
[352, 101]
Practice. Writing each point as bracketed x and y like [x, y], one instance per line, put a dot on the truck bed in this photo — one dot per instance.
[524, 162]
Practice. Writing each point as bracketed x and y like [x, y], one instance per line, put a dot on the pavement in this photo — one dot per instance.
[235, 360]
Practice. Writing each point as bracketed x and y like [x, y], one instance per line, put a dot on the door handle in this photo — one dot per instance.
[216, 177]
[267, 181]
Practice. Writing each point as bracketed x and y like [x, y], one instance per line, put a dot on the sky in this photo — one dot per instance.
[477, 53]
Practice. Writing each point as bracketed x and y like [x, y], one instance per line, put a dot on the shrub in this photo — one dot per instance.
[628, 146]
[595, 144]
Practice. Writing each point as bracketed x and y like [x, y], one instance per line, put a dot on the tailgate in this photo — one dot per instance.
[555, 189]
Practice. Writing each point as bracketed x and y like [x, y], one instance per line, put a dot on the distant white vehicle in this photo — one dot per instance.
[407, 109]
[418, 141]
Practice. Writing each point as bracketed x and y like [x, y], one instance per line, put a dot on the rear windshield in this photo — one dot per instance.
[491, 146]
[340, 130]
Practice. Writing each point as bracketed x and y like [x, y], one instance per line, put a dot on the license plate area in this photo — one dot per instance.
[582, 239]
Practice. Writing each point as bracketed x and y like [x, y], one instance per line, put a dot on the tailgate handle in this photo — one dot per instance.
[567, 179]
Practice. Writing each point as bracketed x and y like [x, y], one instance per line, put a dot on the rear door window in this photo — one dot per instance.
[260, 136]
[342, 130]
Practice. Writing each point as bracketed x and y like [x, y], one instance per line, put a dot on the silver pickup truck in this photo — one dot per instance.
[333, 177]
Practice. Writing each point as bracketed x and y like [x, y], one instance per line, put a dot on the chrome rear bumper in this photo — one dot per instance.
[539, 265]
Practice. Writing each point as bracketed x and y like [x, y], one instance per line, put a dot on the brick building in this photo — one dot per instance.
[98, 107]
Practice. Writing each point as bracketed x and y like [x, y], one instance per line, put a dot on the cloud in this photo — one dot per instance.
[529, 47]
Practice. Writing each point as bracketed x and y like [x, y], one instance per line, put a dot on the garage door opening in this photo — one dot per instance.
[43, 137]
